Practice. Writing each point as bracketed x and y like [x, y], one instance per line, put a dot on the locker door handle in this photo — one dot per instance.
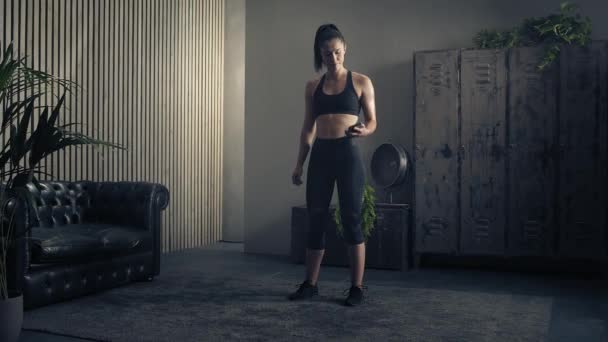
[461, 151]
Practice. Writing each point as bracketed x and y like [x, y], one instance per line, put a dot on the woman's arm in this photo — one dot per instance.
[309, 127]
[368, 103]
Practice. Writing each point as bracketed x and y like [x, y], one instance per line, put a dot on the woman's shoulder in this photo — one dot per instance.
[314, 81]
[311, 84]
[359, 77]
[361, 81]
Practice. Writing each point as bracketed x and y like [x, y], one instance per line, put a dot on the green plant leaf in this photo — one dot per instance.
[13, 109]
[55, 112]
[368, 214]
[40, 138]
[566, 27]
[22, 130]
[13, 155]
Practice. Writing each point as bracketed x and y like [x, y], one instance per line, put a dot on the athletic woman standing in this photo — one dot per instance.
[332, 110]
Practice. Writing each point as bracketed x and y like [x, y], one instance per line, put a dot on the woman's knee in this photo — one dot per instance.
[317, 225]
[351, 222]
[316, 238]
[318, 216]
[316, 242]
[353, 236]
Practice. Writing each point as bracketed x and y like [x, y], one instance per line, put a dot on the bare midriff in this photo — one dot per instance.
[332, 126]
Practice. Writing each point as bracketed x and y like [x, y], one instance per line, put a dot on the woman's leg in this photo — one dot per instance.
[319, 190]
[351, 182]
[313, 265]
[357, 263]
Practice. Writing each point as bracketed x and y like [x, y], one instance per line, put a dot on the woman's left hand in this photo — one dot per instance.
[358, 131]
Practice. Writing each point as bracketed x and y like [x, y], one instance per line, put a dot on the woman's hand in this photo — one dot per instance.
[296, 176]
[358, 130]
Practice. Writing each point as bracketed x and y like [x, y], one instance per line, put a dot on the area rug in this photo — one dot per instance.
[200, 307]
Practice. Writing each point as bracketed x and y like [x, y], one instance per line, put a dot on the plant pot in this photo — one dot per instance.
[11, 318]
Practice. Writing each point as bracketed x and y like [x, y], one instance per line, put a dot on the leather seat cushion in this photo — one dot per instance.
[80, 242]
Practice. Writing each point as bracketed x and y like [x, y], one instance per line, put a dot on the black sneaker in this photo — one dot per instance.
[355, 295]
[305, 291]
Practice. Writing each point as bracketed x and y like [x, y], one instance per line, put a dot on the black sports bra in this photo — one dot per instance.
[346, 102]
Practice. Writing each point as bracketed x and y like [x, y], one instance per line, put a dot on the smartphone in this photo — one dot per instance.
[350, 128]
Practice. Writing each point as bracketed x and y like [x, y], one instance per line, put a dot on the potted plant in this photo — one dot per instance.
[551, 31]
[368, 213]
[336, 252]
[11, 300]
[22, 91]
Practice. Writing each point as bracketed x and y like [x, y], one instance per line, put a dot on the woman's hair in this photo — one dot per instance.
[325, 33]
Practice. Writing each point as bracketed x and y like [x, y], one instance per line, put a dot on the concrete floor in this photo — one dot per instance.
[580, 309]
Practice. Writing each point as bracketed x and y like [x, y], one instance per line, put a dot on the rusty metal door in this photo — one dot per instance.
[483, 134]
[510, 160]
[436, 157]
[582, 136]
[531, 163]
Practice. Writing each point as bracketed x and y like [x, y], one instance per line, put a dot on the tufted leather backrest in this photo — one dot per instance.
[126, 203]
[59, 203]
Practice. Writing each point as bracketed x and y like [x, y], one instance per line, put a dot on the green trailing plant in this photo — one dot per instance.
[30, 132]
[368, 213]
[565, 27]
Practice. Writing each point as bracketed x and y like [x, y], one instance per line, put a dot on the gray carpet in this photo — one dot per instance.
[197, 307]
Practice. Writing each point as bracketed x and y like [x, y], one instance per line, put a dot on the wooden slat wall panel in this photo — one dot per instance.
[151, 73]
[582, 118]
[436, 157]
[531, 164]
[483, 132]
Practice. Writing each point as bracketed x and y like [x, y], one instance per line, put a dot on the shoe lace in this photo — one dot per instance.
[364, 287]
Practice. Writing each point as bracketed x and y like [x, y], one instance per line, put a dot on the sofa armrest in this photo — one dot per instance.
[137, 204]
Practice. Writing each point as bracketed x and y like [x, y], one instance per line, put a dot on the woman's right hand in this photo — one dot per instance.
[296, 176]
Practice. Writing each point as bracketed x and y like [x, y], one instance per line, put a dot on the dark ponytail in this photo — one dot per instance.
[325, 33]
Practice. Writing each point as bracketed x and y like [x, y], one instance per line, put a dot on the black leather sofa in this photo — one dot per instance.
[83, 237]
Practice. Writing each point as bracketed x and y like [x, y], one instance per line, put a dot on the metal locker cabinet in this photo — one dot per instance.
[582, 136]
[483, 134]
[436, 146]
[531, 162]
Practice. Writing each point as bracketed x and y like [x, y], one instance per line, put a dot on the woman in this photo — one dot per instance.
[332, 110]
